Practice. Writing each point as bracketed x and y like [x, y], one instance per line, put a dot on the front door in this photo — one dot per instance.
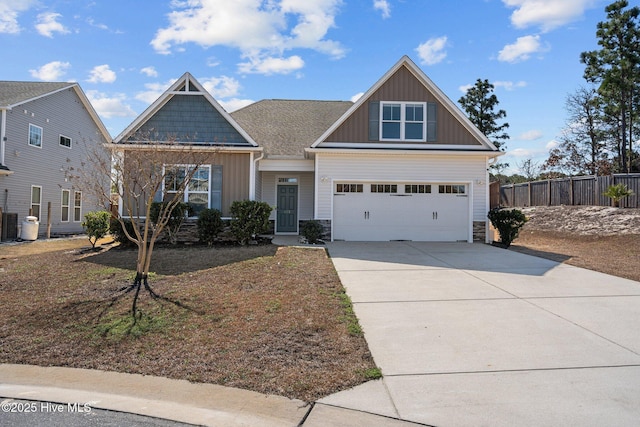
[287, 210]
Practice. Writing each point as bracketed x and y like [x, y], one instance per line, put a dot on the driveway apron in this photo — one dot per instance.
[473, 335]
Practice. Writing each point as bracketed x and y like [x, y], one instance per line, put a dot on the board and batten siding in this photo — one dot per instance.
[471, 170]
[403, 86]
[305, 192]
[61, 113]
[235, 176]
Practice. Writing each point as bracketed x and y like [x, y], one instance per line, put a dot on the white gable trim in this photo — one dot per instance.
[189, 81]
[426, 81]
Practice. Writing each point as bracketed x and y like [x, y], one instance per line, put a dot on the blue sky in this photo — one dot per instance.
[125, 54]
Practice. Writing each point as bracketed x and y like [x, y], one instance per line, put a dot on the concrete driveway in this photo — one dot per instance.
[471, 335]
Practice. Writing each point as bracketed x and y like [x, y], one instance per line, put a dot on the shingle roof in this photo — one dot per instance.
[286, 127]
[12, 93]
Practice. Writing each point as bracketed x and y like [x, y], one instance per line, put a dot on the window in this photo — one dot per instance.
[452, 189]
[64, 214]
[403, 121]
[65, 141]
[349, 188]
[36, 200]
[384, 188]
[196, 190]
[35, 135]
[417, 188]
[77, 206]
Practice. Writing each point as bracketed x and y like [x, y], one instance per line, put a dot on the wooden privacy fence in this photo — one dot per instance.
[577, 190]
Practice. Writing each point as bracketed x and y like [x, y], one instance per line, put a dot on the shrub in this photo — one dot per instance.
[617, 192]
[115, 228]
[312, 231]
[176, 218]
[248, 219]
[96, 224]
[508, 222]
[210, 224]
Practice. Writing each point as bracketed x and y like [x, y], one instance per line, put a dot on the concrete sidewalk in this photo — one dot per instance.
[471, 335]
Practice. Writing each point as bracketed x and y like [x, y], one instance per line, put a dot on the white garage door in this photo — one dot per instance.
[401, 211]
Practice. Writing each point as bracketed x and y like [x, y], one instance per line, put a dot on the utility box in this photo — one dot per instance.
[30, 227]
[9, 226]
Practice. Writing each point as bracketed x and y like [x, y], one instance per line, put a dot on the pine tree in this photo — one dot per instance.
[480, 105]
[616, 68]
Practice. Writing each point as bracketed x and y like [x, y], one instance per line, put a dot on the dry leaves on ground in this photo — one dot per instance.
[263, 318]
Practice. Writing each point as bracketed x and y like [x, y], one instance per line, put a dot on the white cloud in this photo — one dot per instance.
[531, 135]
[523, 153]
[551, 145]
[51, 71]
[521, 50]
[509, 85]
[221, 87]
[48, 24]
[432, 51]
[153, 92]
[149, 71]
[9, 11]
[547, 14]
[383, 6]
[110, 106]
[356, 97]
[259, 29]
[234, 104]
[102, 74]
[271, 65]
[465, 88]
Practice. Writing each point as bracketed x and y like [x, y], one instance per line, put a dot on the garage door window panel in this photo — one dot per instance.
[417, 188]
[384, 188]
[349, 188]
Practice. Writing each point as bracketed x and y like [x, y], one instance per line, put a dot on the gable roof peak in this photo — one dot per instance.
[185, 85]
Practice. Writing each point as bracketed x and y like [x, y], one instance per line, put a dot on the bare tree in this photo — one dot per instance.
[530, 169]
[582, 145]
[139, 174]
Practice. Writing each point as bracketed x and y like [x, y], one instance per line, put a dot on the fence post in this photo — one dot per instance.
[529, 195]
[549, 192]
[570, 191]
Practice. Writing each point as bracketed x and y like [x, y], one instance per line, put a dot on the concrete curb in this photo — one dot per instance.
[177, 400]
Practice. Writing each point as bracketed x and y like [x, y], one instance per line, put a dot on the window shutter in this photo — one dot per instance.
[432, 122]
[374, 121]
[215, 199]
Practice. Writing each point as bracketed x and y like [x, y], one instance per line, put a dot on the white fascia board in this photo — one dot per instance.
[272, 165]
[445, 150]
[178, 147]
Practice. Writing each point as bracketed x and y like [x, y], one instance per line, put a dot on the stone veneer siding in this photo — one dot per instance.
[479, 231]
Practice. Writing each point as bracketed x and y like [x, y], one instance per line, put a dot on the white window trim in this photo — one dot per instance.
[39, 204]
[77, 207]
[185, 196]
[67, 206]
[403, 121]
[70, 141]
[41, 136]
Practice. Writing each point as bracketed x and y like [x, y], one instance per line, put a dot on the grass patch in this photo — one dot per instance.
[261, 318]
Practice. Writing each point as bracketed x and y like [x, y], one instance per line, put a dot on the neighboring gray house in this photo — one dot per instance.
[45, 128]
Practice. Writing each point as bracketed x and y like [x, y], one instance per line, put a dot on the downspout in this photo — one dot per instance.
[487, 233]
[252, 175]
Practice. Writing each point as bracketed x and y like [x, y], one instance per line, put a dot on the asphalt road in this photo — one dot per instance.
[27, 413]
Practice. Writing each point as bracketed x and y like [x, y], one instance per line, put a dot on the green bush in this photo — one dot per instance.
[312, 231]
[115, 228]
[210, 224]
[176, 218]
[617, 192]
[96, 224]
[508, 222]
[248, 219]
